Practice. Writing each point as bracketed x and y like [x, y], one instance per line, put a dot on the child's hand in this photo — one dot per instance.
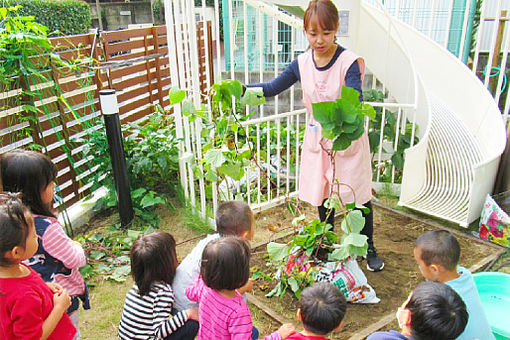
[192, 313]
[62, 300]
[247, 288]
[286, 329]
[55, 287]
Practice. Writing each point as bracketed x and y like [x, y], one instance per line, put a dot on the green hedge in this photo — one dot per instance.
[63, 17]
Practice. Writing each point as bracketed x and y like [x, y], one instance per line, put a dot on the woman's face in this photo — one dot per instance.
[48, 193]
[322, 41]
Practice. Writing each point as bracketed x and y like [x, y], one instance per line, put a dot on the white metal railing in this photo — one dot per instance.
[278, 127]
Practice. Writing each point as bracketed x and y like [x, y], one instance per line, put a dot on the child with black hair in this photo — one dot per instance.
[58, 258]
[437, 254]
[30, 309]
[322, 308]
[233, 218]
[148, 306]
[433, 311]
[224, 315]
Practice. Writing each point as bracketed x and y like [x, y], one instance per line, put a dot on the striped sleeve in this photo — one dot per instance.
[60, 246]
[164, 323]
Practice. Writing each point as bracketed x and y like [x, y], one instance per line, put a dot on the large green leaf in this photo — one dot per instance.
[293, 283]
[341, 143]
[235, 170]
[356, 240]
[277, 251]
[350, 95]
[176, 95]
[356, 221]
[253, 96]
[324, 113]
[215, 157]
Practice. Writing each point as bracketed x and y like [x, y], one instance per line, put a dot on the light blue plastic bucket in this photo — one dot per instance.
[494, 291]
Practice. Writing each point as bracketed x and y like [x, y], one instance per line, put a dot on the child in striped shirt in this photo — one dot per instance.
[147, 310]
[58, 258]
[224, 315]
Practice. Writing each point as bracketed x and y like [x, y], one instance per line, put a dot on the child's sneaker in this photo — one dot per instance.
[374, 262]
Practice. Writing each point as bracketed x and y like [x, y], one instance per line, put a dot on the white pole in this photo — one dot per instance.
[464, 28]
[448, 24]
[488, 68]
[479, 36]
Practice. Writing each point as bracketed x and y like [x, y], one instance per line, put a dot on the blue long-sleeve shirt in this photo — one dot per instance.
[291, 75]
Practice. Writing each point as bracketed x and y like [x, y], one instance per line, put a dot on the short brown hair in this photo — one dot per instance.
[233, 218]
[153, 259]
[226, 263]
[326, 13]
[439, 247]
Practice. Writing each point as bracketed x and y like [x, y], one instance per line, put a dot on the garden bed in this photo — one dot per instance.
[394, 238]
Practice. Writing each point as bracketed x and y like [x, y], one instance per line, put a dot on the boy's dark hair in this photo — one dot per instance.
[439, 247]
[326, 13]
[323, 307]
[233, 218]
[153, 259]
[28, 172]
[437, 312]
[14, 224]
[226, 263]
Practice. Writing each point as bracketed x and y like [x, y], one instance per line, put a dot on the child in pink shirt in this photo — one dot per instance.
[223, 314]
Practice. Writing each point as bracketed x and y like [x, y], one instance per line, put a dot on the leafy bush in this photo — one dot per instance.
[62, 17]
[152, 163]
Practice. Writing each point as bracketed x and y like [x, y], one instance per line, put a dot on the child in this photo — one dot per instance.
[322, 70]
[432, 311]
[58, 258]
[232, 218]
[321, 310]
[223, 313]
[148, 305]
[437, 253]
[29, 308]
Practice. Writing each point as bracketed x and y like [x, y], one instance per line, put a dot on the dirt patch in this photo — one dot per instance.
[394, 238]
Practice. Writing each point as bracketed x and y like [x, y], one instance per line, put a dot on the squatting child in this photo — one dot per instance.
[437, 254]
[148, 306]
[232, 218]
[223, 313]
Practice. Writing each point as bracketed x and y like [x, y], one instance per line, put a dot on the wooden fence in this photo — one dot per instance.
[65, 104]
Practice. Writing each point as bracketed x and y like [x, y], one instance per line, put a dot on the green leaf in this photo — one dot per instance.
[356, 221]
[134, 234]
[332, 203]
[235, 171]
[325, 113]
[277, 290]
[339, 254]
[361, 207]
[350, 95]
[236, 88]
[176, 95]
[368, 110]
[188, 107]
[211, 175]
[187, 157]
[253, 96]
[293, 283]
[296, 220]
[150, 200]
[97, 254]
[356, 240]
[277, 251]
[341, 143]
[398, 160]
[120, 273]
[215, 157]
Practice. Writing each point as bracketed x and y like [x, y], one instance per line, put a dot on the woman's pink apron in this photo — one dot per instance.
[351, 166]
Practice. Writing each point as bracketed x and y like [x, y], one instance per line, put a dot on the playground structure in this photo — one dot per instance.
[461, 130]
